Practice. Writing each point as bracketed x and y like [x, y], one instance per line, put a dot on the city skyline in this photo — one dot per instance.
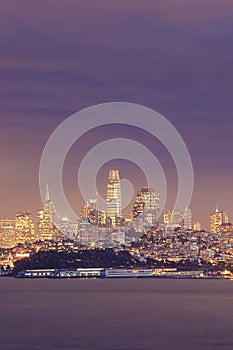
[134, 206]
[171, 242]
[189, 83]
[146, 207]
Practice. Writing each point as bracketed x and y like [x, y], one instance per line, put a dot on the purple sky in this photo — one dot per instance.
[57, 57]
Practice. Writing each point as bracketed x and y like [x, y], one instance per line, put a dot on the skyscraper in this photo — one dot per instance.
[113, 199]
[147, 206]
[47, 220]
[44, 225]
[217, 219]
[24, 227]
[90, 213]
[7, 233]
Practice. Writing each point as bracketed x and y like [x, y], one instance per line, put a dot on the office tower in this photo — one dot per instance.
[7, 233]
[181, 218]
[146, 206]
[176, 218]
[44, 225]
[24, 228]
[90, 213]
[113, 199]
[85, 211]
[217, 219]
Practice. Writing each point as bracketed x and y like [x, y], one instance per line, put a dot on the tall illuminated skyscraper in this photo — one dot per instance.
[47, 219]
[24, 228]
[44, 225]
[113, 199]
[7, 233]
[90, 213]
[217, 219]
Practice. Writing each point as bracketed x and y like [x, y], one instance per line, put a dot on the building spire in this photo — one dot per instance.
[47, 197]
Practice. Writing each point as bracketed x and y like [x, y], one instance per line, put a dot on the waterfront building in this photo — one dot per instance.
[113, 198]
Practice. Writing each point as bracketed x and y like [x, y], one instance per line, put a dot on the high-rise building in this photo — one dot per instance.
[90, 213]
[113, 199]
[181, 218]
[146, 206]
[24, 227]
[7, 233]
[44, 225]
[217, 219]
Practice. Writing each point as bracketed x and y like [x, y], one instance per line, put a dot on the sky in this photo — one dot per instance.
[58, 57]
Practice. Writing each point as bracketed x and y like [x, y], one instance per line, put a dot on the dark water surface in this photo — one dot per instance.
[116, 314]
